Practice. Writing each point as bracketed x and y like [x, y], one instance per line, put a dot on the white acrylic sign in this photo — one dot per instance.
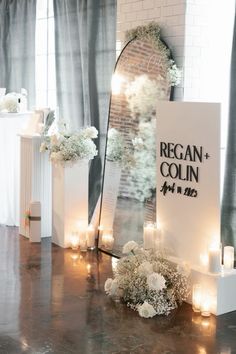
[188, 177]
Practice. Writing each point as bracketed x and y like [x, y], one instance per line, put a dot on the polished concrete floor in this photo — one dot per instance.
[51, 302]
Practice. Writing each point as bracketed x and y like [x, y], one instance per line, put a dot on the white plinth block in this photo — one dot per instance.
[35, 183]
[221, 289]
[35, 222]
[69, 200]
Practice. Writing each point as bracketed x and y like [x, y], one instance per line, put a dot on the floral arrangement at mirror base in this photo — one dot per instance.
[147, 282]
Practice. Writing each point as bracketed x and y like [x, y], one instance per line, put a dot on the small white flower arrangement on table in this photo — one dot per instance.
[147, 282]
[71, 147]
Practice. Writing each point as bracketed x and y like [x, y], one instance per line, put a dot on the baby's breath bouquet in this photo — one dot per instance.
[117, 149]
[71, 147]
[147, 282]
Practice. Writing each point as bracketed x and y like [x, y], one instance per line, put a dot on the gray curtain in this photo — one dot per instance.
[17, 46]
[85, 41]
[228, 211]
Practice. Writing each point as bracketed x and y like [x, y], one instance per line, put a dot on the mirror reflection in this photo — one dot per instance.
[140, 80]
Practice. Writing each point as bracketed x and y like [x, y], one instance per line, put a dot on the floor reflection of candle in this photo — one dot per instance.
[228, 257]
[89, 268]
[91, 237]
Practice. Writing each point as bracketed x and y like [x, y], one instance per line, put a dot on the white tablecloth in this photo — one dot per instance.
[11, 124]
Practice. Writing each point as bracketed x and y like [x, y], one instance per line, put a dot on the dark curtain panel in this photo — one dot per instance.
[85, 41]
[228, 212]
[17, 46]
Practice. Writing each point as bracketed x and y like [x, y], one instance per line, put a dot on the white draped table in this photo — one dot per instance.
[11, 124]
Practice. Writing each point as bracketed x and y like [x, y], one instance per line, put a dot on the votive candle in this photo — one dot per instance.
[91, 237]
[228, 257]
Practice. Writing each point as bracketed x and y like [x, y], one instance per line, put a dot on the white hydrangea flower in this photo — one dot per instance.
[130, 246]
[156, 282]
[145, 268]
[10, 102]
[108, 285]
[138, 143]
[90, 132]
[146, 310]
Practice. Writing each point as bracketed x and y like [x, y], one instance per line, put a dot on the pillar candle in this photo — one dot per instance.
[91, 237]
[228, 257]
[214, 259]
[206, 306]
[196, 297]
[149, 230]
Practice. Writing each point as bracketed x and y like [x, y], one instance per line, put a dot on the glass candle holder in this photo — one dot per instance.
[82, 230]
[206, 306]
[228, 257]
[74, 240]
[91, 237]
[108, 239]
[196, 297]
[149, 230]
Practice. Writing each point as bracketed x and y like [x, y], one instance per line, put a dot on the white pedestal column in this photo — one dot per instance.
[69, 200]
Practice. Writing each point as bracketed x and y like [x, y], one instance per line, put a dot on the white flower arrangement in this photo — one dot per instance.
[10, 103]
[65, 147]
[117, 150]
[147, 282]
[142, 95]
[143, 174]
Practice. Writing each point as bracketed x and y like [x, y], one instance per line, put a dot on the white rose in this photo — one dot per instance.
[130, 246]
[146, 310]
[107, 285]
[156, 282]
[145, 268]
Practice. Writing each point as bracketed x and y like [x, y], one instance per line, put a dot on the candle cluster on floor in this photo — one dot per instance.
[84, 237]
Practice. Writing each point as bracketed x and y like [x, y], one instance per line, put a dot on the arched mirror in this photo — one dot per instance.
[144, 74]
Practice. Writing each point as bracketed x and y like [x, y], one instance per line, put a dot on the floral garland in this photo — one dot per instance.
[147, 282]
[152, 33]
